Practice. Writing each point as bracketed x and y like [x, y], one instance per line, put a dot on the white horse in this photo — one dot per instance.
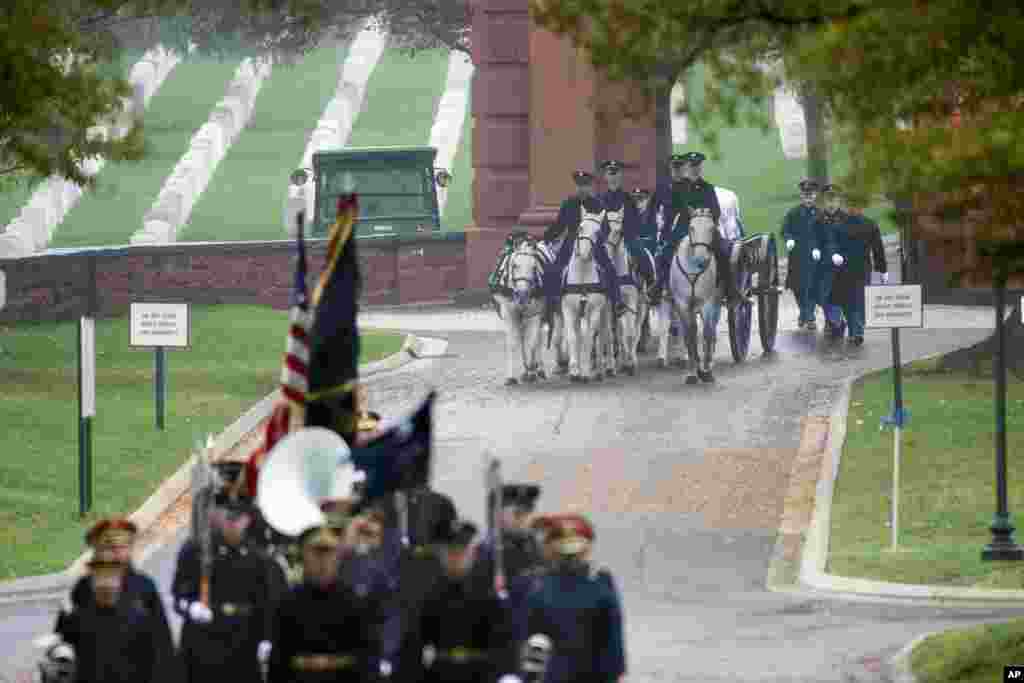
[583, 299]
[553, 332]
[520, 299]
[694, 290]
[618, 345]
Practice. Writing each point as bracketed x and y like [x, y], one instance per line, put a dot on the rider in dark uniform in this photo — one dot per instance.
[568, 223]
[462, 619]
[577, 606]
[617, 199]
[798, 229]
[690, 191]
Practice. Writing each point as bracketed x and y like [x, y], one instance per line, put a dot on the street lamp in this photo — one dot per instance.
[442, 177]
[1002, 547]
[300, 176]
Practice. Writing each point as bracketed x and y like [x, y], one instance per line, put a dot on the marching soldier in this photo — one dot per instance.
[568, 223]
[114, 640]
[830, 223]
[322, 631]
[616, 199]
[577, 606]
[858, 240]
[229, 637]
[673, 204]
[801, 235]
[112, 540]
[519, 547]
[461, 619]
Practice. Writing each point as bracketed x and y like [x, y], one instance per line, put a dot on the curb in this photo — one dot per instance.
[815, 549]
[48, 586]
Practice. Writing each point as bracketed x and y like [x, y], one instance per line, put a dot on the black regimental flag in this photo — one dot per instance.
[334, 339]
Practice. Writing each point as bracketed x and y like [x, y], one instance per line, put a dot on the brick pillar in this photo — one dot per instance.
[500, 108]
[563, 126]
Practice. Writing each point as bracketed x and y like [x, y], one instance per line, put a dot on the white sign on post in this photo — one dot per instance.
[893, 306]
[163, 325]
[88, 351]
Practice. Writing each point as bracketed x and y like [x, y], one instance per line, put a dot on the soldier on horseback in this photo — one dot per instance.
[616, 199]
[689, 191]
[569, 217]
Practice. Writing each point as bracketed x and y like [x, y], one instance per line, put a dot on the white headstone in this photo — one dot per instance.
[3, 289]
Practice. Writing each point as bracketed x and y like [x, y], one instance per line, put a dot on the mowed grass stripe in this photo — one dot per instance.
[14, 197]
[112, 213]
[234, 361]
[754, 167]
[402, 96]
[246, 195]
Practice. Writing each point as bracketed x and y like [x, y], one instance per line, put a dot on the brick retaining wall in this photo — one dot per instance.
[58, 286]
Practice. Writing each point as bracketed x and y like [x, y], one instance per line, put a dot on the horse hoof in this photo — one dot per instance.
[511, 381]
[541, 374]
[692, 379]
[662, 363]
[584, 380]
[679, 363]
[609, 373]
[630, 370]
[706, 377]
[562, 370]
[574, 378]
[529, 377]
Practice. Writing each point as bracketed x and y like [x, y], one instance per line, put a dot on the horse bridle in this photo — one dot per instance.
[535, 281]
[580, 237]
[696, 276]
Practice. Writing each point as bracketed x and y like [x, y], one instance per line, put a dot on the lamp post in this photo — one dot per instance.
[1002, 547]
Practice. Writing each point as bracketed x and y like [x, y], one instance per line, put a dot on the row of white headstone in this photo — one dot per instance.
[173, 206]
[51, 200]
[335, 123]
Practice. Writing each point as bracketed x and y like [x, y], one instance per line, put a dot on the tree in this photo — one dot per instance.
[50, 100]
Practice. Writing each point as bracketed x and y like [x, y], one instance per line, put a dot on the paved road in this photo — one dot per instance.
[685, 485]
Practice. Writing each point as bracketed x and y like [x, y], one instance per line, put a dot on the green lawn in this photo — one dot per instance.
[754, 167]
[972, 655]
[401, 99]
[15, 196]
[246, 195]
[458, 213]
[947, 482]
[112, 213]
[234, 361]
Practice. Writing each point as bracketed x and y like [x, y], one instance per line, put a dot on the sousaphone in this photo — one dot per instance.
[305, 468]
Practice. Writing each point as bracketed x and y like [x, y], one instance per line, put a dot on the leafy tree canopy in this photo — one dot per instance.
[927, 94]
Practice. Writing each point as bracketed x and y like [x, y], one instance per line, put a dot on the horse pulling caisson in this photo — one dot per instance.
[604, 285]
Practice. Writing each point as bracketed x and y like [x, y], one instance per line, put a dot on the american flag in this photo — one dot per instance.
[290, 409]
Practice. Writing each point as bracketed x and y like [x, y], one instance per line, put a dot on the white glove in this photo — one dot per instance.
[837, 259]
[263, 650]
[199, 613]
[816, 254]
[885, 278]
[790, 244]
[510, 678]
[385, 668]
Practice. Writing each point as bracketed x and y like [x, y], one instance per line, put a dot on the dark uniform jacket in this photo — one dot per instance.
[579, 609]
[799, 226]
[620, 200]
[679, 198]
[462, 621]
[374, 579]
[122, 644]
[569, 216]
[858, 240]
[244, 585]
[324, 636]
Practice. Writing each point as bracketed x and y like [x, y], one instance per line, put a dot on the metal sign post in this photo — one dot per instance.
[160, 326]
[86, 409]
[895, 306]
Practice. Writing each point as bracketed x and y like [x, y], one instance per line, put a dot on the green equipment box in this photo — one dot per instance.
[397, 189]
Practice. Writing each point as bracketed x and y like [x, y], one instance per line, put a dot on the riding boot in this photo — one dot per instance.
[732, 292]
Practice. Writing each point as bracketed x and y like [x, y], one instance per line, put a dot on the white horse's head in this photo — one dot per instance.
[615, 225]
[525, 272]
[586, 237]
[702, 234]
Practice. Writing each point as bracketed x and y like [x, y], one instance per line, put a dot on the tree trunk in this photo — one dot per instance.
[663, 132]
[817, 145]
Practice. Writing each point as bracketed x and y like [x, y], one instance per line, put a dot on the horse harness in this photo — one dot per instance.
[696, 275]
[504, 272]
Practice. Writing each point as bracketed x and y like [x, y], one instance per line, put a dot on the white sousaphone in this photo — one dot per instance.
[304, 468]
